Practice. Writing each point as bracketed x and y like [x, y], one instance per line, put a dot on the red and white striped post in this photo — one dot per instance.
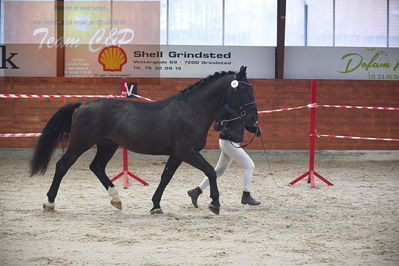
[125, 172]
[311, 173]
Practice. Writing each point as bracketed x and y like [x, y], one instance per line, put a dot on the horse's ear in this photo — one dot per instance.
[242, 73]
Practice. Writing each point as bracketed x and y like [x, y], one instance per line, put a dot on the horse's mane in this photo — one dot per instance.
[163, 102]
[205, 81]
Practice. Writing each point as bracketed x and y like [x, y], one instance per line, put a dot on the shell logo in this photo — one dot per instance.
[112, 58]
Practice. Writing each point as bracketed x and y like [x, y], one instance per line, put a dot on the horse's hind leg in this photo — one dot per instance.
[105, 151]
[62, 166]
[170, 168]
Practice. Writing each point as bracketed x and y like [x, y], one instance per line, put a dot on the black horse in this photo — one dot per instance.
[176, 126]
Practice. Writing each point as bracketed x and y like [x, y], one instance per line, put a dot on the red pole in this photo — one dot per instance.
[125, 168]
[125, 171]
[312, 138]
[124, 89]
[312, 133]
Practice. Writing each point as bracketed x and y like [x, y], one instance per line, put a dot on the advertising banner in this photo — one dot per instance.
[172, 61]
[341, 63]
[20, 52]
[84, 38]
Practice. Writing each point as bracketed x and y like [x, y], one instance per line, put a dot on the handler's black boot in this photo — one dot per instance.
[247, 199]
[194, 194]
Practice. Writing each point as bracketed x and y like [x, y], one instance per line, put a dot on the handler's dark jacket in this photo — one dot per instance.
[234, 130]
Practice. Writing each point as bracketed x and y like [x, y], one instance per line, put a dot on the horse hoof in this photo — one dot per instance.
[215, 209]
[48, 206]
[117, 204]
[156, 211]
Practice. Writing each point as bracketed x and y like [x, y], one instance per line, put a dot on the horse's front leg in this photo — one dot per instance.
[170, 168]
[195, 159]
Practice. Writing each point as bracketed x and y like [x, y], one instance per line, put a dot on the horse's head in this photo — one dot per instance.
[242, 99]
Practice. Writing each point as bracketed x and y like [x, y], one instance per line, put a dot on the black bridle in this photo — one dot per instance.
[234, 84]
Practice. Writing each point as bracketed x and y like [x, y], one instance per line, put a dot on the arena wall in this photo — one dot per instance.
[288, 130]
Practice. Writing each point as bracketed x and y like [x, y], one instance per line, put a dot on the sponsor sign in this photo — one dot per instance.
[198, 61]
[342, 63]
[20, 54]
[93, 35]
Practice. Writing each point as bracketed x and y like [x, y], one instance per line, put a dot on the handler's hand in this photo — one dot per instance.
[258, 132]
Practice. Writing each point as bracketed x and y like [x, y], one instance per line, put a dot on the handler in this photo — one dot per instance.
[231, 134]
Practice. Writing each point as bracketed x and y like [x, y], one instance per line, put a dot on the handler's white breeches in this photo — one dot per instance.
[227, 155]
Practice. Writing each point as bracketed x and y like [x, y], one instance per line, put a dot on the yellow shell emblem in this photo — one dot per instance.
[112, 58]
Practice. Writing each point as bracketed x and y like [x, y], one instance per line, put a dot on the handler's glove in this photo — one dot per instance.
[223, 123]
[258, 132]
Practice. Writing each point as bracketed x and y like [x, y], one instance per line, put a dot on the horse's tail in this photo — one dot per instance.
[58, 124]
